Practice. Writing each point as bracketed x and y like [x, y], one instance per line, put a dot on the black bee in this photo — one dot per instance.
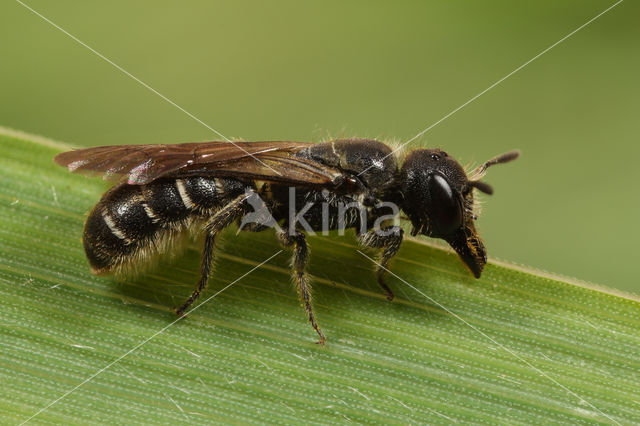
[168, 190]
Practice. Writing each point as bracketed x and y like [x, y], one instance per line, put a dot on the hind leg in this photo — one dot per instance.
[220, 220]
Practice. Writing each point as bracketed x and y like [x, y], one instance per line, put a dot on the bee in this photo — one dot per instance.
[167, 191]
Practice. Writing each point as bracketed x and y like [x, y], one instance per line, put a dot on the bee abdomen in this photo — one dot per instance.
[134, 222]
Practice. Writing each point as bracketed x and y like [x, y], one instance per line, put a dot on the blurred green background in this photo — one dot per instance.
[308, 70]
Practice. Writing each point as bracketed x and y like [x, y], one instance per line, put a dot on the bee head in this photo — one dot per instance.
[438, 199]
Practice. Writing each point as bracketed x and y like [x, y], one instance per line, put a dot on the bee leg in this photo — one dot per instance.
[299, 261]
[220, 220]
[389, 239]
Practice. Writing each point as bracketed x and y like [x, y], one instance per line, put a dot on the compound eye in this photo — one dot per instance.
[445, 208]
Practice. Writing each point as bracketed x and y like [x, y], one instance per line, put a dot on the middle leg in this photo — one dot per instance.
[299, 262]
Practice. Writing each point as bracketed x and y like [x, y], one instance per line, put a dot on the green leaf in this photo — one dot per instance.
[516, 346]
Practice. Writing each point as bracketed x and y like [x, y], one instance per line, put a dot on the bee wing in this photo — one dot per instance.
[270, 161]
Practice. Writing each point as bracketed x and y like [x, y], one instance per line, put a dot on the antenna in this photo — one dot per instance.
[479, 172]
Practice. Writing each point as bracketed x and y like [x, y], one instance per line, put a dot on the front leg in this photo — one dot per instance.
[299, 262]
[389, 239]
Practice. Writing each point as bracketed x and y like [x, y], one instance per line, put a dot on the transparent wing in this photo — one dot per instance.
[270, 161]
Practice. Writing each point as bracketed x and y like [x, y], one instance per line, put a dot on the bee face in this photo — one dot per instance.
[437, 200]
[433, 185]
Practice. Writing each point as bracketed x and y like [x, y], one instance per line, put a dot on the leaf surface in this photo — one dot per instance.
[516, 346]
